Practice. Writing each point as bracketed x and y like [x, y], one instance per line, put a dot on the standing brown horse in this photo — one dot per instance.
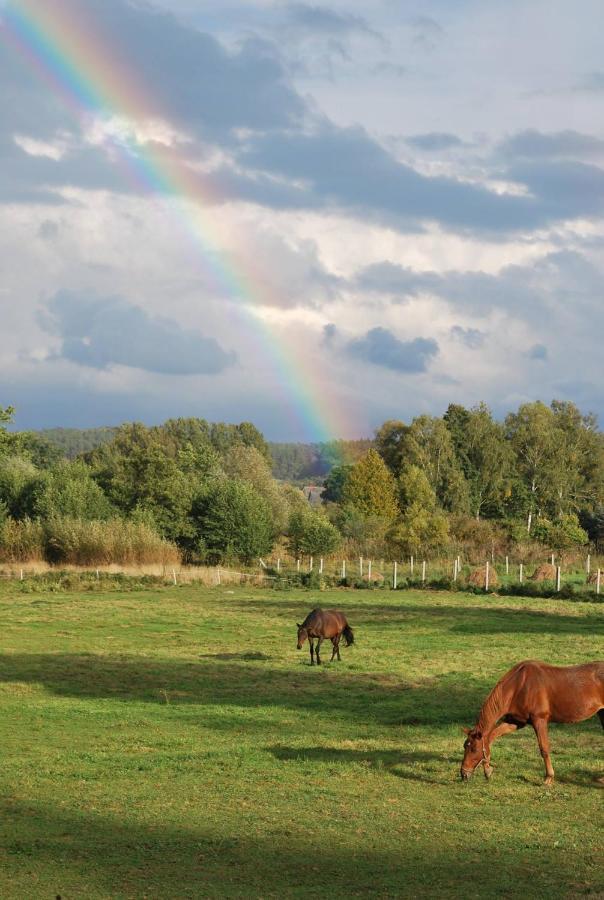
[324, 623]
[534, 693]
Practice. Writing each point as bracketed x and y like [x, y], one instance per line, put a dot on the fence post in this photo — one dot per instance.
[369, 571]
[174, 576]
[598, 582]
[558, 578]
[297, 565]
[218, 573]
[311, 564]
[343, 568]
[321, 566]
[507, 565]
[553, 559]
[588, 564]
[412, 567]
[21, 576]
[520, 572]
[361, 566]
[486, 576]
[394, 579]
[455, 571]
[278, 565]
[423, 571]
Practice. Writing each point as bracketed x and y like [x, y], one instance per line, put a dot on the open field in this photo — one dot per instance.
[173, 743]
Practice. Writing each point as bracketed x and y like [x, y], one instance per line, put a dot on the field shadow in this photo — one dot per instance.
[326, 690]
[85, 853]
[251, 655]
[470, 619]
[400, 763]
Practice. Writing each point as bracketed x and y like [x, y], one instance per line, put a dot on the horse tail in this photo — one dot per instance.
[348, 634]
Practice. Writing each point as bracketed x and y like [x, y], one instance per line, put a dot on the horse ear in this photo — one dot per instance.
[298, 625]
[478, 735]
[466, 730]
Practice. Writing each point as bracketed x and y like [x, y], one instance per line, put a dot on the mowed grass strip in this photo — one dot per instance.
[173, 743]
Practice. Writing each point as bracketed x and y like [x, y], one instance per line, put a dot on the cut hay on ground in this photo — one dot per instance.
[546, 572]
[479, 577]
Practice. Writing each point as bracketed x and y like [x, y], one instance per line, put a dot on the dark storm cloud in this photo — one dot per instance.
[345, 169]
[102, 331]
[286, 156]
[556, 280]
[382, 348]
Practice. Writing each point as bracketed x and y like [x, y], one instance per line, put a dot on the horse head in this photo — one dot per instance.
[476, 753]
[302, 635]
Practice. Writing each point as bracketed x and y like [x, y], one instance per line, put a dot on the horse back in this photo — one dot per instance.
[558, 693]
[325, 622]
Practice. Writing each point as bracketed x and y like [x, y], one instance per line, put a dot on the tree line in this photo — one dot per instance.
[207, 491]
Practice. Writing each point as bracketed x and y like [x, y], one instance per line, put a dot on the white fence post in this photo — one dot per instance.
[455, 571]
[507, 565]
[411, 566]
[588, 564]
[558, 578]
[520, 572]
[278, 565]
[369, 571]
[343, 568]
[311, 564]
[423, 571]
[394, 579]
[174, 576]
[486, 576]
[321, 566]
[553, 559]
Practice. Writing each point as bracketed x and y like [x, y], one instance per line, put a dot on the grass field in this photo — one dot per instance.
[173, 743]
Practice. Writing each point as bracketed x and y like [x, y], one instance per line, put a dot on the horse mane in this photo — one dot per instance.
[493, 707]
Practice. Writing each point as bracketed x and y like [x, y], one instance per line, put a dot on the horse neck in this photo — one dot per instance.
[492, 710]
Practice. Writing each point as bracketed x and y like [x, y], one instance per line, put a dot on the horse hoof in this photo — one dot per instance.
[488, 771]
[549, 781]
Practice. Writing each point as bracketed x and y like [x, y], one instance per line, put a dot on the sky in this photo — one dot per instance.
[374, 209]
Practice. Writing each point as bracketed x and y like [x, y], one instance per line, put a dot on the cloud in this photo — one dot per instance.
[434, 141]
[98, 332]
[344, 169]
[382, 348]
[330, 332]
[526, 291]
[427, 33]
[534, 144]
[321, 20]
[471, 337]
[538, 351]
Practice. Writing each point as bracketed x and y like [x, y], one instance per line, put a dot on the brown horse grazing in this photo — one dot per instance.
[533, 693]
[324, 623]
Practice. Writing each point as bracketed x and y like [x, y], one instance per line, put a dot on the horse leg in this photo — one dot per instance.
[504, 728]
[601, 717]
[319, 642]
[334, 642]
[311, 641]
[540, 726]
[338, 639]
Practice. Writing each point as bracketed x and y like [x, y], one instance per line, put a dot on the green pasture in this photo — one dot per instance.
[172, 742]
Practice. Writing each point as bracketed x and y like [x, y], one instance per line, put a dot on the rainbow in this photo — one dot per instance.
[59, 40]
